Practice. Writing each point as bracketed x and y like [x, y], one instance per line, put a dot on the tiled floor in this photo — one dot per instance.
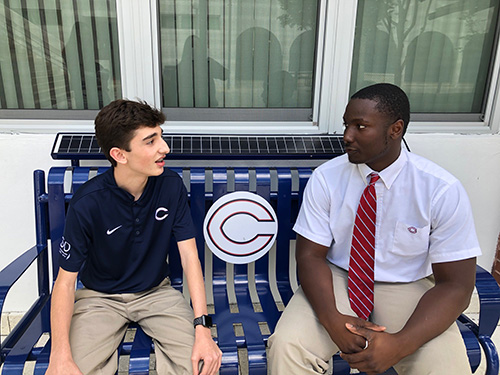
[9, 321]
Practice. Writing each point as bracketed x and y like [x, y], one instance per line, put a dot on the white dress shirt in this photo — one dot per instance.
[423, 215]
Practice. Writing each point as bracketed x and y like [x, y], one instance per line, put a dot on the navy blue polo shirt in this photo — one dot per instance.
[120, 245]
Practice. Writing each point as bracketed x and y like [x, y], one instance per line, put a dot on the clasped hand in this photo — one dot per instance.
[375, 350]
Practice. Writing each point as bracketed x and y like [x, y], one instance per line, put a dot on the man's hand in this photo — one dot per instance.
[207, 351]
[206, 357]
[62, 367]
[316, 282]
[347, 340]
[383, 351]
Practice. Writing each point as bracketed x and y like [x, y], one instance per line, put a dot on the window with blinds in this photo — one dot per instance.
[228, 54]
[58, 54]
[440, 52]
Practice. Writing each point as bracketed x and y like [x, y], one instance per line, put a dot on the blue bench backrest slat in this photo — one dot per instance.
[223, 319]
[263, 188]
[174, 259]
[57, 212]
[241, 183]
[197, 201]
[219, 188]
[80, 176]
[284, 213]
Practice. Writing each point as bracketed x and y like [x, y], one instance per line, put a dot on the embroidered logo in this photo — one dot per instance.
[412, 230]
[161, 213]
[111, 231]
[64, 248]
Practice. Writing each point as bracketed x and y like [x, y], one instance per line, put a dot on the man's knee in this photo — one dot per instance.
[281, 339]
[444, 354]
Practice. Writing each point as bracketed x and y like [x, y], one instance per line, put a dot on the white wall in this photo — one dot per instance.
[20, 155]
[474, 159]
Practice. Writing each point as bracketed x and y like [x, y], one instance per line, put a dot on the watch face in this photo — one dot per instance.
[204, 320]
[207, 321]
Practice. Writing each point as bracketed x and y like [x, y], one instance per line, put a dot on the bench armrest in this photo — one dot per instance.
[489, 305]
[489, 301]
[12, 272]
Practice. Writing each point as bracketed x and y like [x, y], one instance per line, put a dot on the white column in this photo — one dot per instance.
[337, 47]
[139, 62]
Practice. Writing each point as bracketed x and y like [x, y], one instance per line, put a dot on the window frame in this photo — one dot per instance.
[138, 36]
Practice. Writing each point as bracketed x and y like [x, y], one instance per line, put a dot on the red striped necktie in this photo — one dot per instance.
[362, 261]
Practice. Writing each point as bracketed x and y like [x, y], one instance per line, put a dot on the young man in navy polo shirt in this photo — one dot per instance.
[117, 237]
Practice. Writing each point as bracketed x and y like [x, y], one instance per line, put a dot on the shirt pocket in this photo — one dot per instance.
[410, 241]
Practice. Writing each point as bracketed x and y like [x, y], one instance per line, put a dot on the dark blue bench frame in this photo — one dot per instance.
[251, 317]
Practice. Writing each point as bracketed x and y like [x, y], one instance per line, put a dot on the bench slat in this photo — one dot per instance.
[20, 353]
[140, 354]
[42, 362]
[226, 337]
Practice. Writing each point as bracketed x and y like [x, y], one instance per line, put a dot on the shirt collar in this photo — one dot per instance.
[387, 175]
[115, 188]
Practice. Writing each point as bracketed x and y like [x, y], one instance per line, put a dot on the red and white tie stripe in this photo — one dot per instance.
[362, 261]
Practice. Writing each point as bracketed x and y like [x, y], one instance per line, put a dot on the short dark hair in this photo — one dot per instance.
[391, 100]
[117, 122]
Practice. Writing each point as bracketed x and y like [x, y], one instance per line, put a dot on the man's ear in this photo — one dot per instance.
[118, 154]
[396, 129]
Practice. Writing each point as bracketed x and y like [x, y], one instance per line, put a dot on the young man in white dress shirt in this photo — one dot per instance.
[425, 255]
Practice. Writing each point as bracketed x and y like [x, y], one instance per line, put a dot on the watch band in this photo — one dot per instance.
[204, 320]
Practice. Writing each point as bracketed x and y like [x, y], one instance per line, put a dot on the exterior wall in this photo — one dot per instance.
[20, 155]
[474, 159]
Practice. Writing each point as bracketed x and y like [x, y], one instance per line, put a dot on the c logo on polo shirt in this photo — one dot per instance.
[161, 213]
[240, 227]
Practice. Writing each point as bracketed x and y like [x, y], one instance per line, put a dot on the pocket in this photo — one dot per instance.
[409, 240]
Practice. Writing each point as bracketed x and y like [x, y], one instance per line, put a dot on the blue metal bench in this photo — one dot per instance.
[245, 310]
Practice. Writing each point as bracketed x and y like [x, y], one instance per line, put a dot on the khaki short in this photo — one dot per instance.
[100, 321]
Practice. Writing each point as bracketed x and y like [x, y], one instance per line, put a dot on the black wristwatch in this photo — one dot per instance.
[204, 320]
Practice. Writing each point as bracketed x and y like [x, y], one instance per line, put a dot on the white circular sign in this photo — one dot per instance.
[240, 227]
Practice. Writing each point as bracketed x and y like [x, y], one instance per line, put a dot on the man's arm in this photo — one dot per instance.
[62, 302]
[316, 281]
[438, 308]
[204, 346]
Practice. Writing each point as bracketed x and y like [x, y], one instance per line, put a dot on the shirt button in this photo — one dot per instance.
[137, 220]
[137, 232]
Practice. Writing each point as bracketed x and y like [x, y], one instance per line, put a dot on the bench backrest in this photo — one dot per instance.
[237, 293]
[237, 289]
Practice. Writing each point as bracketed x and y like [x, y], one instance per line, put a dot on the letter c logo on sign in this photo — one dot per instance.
[240, 227]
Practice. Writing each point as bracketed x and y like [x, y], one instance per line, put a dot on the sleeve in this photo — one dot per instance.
[452, 235]
[313, 221]
[73, 248]
[183, 228]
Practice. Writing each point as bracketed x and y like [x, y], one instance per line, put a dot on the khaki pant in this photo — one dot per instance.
[100, 320]
[301, 345]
